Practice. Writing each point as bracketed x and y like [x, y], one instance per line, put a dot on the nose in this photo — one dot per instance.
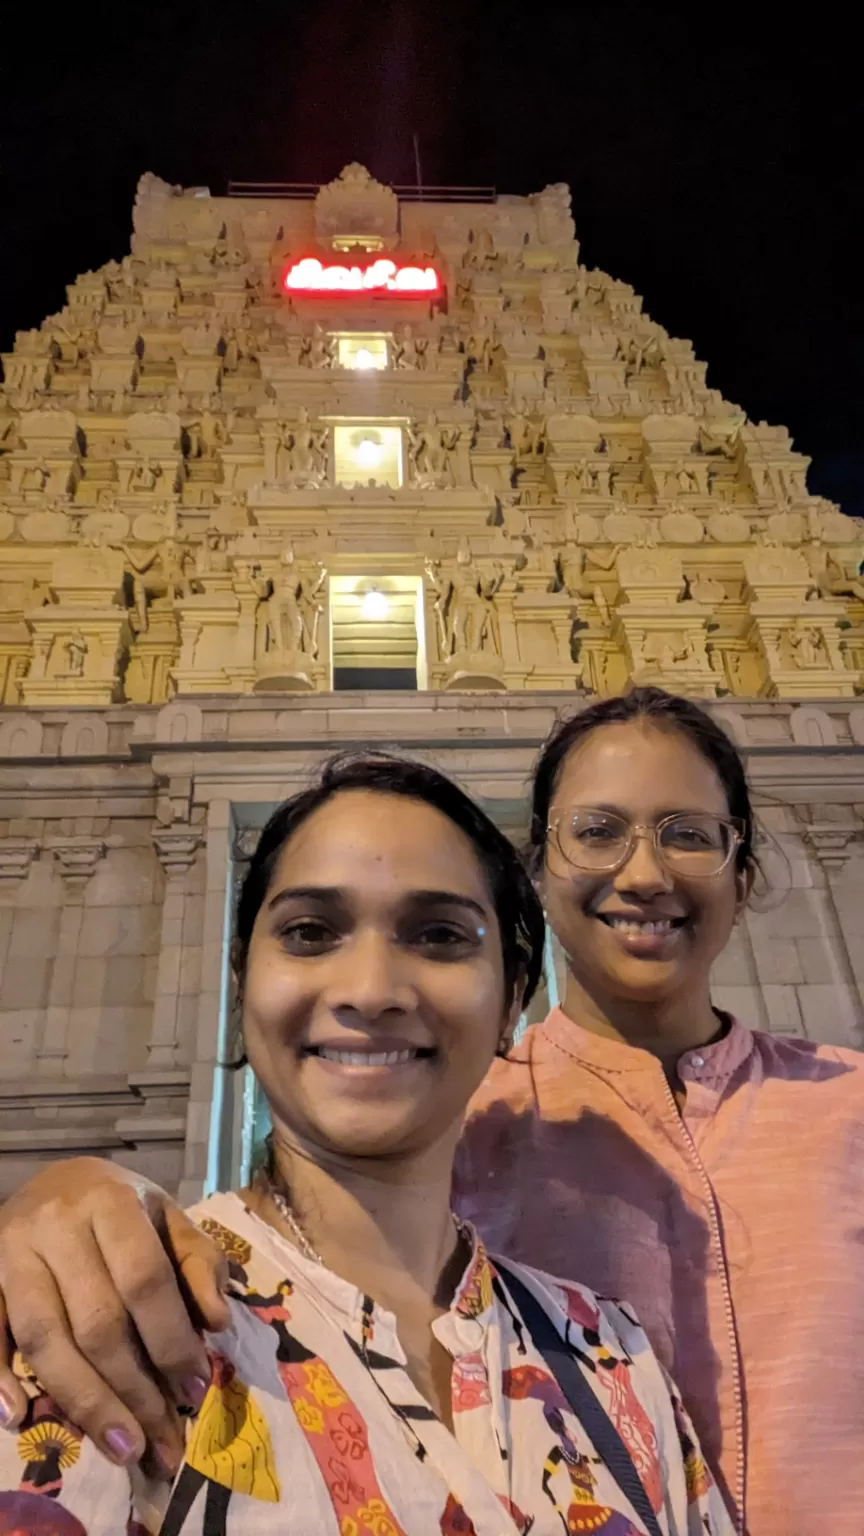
[643, 873]
[369, 977]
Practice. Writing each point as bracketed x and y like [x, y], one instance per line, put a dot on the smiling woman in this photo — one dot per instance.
[370, 1367]
[702, 1169]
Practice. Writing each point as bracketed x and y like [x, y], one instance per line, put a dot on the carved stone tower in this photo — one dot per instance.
[302, 469]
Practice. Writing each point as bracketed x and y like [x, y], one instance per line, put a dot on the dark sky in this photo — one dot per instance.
[714, 156]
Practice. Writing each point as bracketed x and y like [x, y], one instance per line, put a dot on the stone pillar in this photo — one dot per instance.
[177, 847]
[832, 843]
[75, 857]
[203, 1166]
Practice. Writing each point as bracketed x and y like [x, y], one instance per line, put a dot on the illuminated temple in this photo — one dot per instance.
[324, 466]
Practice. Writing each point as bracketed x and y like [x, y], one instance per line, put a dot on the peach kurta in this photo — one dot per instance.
[735, 1228]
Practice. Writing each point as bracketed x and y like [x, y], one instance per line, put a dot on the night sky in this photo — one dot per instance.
[714, 157]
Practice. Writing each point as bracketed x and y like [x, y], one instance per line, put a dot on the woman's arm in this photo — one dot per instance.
[104, 1281]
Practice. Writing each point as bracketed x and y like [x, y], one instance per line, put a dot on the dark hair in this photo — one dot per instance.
[517, 907]
[666, 711]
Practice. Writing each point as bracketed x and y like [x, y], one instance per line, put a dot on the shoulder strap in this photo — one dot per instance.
[582, 1399]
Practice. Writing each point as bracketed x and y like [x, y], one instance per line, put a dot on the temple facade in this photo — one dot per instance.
[316, 467]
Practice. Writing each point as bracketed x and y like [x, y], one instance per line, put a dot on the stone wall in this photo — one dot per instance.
[117, 867]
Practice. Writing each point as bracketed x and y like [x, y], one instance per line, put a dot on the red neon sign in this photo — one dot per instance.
[381, 276]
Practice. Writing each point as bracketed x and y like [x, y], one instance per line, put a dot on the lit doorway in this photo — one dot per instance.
[377, 633]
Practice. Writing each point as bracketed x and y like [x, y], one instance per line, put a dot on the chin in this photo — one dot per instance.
[362, 1135]
[645, 981]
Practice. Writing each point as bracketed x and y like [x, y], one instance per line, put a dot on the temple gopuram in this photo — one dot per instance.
[315, 467]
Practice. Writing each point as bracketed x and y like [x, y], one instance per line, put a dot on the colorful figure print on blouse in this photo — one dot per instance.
[312, 1421]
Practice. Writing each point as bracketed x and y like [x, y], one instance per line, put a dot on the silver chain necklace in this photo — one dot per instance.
[283, 1206]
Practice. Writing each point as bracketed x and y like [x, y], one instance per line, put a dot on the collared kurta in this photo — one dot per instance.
[734, 1227]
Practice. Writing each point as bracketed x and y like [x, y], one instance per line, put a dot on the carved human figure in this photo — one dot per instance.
[305, 448]
[829, 577]
[427, 453]
[212, 434]
[572, 567]
[527, 435]
[312, 579]
[287, 620]
[482, 627]
[317, 350]
[807, 646]
[146, 475]
[211, 557]
[688, 483]
[76, 650]
[464, 605]
[481, 347]
[230, 350]
[410, 351]
[157, 572]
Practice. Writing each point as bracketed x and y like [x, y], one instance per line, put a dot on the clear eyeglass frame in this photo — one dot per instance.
[733, 826]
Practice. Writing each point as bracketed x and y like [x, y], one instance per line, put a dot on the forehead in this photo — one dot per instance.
[640, 768]
[367, 839]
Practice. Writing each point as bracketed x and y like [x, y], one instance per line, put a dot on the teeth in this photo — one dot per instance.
[634, 925]
[367, 1058]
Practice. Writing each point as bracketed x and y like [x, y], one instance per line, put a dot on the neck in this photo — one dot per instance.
[666, 1028]
[384, 1225]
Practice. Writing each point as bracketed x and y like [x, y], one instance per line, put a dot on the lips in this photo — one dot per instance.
[368, 1058]
[640, 926]
[654, 937]
[368, 1055]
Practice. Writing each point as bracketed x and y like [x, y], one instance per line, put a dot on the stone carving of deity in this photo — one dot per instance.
[411, 351]
[289, 610]
[317, 350]
[76, 650]
[157, 572]
[431, 450]
[465, 606]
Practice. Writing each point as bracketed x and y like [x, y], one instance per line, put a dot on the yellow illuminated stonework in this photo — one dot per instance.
[363, 351]
[239, 524]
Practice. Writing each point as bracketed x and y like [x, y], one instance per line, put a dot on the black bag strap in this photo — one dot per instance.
[582, 1399]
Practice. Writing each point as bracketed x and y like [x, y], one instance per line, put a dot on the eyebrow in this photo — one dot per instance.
[616, 810]
[333, 893]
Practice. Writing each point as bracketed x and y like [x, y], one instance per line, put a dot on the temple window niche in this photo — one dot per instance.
[364, 351]
[367, 453]
[377, 632]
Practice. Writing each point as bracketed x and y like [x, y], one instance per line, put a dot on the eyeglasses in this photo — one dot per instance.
[695, 845]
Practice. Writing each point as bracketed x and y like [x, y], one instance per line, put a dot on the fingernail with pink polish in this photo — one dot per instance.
[194, 1390]
[8, 1410]
[120, 1444]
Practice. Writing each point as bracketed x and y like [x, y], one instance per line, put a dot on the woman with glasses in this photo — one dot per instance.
[639, 1138]
[709, 1172]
